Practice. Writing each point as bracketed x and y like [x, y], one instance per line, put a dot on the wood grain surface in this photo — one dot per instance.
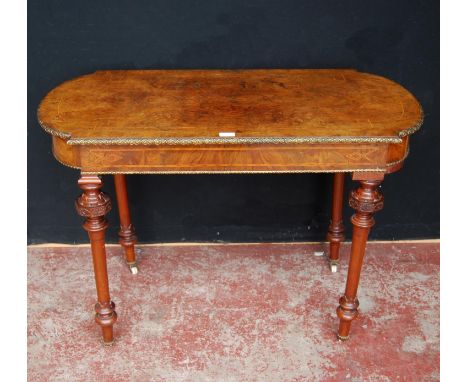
[165, 105]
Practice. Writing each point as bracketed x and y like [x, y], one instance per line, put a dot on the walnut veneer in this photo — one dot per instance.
[230, 121]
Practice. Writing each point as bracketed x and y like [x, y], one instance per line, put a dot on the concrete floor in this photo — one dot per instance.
[251, 312]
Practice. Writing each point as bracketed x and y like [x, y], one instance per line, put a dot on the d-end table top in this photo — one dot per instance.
[229, 106]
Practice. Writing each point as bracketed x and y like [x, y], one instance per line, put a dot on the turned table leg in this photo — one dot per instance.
[366, 200]
[93, 205]
[336, 229]
[127, 234]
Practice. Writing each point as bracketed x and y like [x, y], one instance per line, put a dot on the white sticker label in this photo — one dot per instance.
[227, 134]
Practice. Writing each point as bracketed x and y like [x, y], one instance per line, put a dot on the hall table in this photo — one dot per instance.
[230, 121]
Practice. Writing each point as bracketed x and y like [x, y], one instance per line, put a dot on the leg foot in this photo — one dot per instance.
[334, 265]
[111, 343]
[347, 311]
[106, 317]
[342, 338]
[133, 267]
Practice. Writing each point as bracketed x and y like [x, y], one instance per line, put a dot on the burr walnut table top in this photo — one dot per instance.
[132, 121]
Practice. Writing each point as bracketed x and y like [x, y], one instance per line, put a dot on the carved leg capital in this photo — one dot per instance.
[366, 200]
[93, 204]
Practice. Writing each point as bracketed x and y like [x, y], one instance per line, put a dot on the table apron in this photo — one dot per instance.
[233, 158]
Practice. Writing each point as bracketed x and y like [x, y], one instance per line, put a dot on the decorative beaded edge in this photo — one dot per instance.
[229, 172]
[53, 132]
[233, 140]
[223, 140]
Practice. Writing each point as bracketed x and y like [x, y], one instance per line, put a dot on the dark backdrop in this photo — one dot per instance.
[396, 39]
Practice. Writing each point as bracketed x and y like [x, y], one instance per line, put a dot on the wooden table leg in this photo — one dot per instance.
[366, 200]
[336, 229]
[127, 234]
[94, 205]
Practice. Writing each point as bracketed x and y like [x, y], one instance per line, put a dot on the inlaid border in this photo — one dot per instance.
[223, 172]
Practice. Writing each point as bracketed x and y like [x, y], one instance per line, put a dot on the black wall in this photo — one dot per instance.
[396, 39]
